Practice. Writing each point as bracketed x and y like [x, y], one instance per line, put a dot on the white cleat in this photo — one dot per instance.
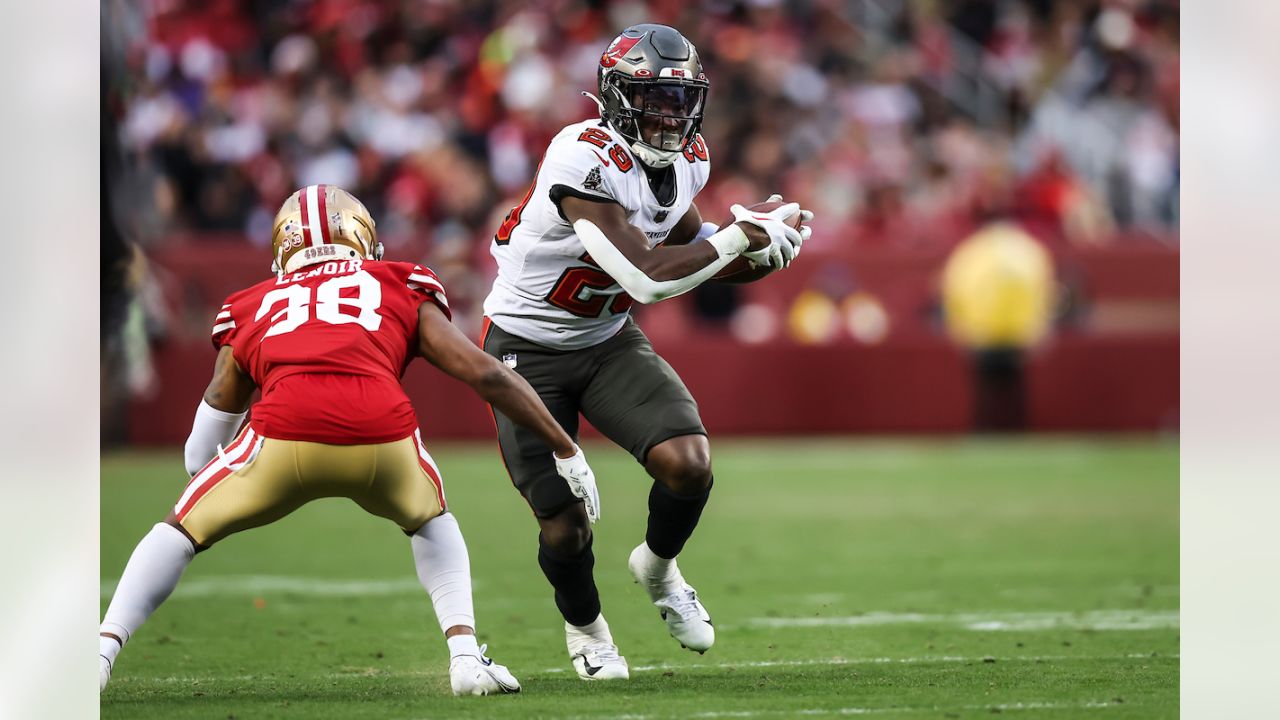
[104, 672]
[592, 652]
[687, 619]
[677, 602]
[479, 675]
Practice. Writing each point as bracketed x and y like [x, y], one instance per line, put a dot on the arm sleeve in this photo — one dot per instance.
[211, 429]
[729, 243]
[422, 281]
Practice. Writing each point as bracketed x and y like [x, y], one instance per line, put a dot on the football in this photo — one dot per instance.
[741, 270]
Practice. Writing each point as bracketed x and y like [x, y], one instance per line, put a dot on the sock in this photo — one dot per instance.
[661, 571]
[597, 628]
[672, 519]
[463, 645]
[152, 573]
[444, 568]
[108, 647]
[579, 637]
[576, 594]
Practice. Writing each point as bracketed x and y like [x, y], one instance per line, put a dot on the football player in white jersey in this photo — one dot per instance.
[609, 219]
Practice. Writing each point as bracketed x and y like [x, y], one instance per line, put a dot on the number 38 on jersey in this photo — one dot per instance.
[329, 304]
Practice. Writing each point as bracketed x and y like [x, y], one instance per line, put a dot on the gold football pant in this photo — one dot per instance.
[258, 480]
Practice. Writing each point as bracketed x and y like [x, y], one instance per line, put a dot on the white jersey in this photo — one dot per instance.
[548, 290]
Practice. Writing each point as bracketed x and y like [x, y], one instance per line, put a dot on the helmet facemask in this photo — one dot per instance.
[658, 118]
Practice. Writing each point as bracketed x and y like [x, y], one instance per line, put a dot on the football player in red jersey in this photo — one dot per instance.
[327, 340]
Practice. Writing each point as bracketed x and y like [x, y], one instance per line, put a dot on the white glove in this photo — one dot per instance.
[582, 482]
[806, 216]
[784, 240]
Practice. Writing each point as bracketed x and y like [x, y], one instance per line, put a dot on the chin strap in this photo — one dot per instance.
[652, 157]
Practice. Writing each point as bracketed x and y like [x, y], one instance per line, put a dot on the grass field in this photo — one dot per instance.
[903, 578]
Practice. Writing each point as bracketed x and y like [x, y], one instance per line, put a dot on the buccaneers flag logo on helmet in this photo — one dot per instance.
[618, 49]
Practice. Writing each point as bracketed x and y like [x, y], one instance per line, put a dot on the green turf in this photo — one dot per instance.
[1070, 543]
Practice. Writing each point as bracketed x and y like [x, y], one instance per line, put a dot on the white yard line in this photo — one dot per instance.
[664, 667]
[819, 712]
[867, 661]
[1136, 619]
[233, 585]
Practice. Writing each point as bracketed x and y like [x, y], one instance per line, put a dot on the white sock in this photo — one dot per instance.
[578, 637]
[444, 568]
[661, 570]
[108, 647]
[463, 645]
[596, 628]
[151, 574]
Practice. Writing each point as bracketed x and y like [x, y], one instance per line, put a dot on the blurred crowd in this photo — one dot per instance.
[904, 122]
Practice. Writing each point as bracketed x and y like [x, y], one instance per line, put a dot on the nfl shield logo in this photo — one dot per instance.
[660, 216]
[509, 359]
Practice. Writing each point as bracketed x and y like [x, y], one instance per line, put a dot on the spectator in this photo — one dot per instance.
[897, 121]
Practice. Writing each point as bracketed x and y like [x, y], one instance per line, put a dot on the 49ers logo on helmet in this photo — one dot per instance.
[618, 49]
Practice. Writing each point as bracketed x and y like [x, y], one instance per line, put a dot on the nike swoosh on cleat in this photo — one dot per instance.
[591, 669]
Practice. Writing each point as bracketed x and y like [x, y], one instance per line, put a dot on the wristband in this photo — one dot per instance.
[729, 242]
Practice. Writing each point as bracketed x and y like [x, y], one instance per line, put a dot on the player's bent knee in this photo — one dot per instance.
[682, 464]
[172, 520]
[567, 532]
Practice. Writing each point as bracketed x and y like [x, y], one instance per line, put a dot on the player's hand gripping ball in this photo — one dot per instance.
[770, 249]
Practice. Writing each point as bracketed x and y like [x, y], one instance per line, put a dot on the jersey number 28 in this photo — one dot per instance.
[329, 301]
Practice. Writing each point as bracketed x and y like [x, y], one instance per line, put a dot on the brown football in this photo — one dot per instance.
[740, 270]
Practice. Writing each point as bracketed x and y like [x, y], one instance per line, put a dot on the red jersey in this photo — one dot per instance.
[328, 345]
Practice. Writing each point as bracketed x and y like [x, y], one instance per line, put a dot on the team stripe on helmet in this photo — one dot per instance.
[322, 213]
[429, 467]
[312, 233]
[218, 469]
[304, 210]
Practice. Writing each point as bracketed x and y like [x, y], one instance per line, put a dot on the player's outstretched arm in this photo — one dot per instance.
[444, 346]
[220, 412]
[652, 274]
